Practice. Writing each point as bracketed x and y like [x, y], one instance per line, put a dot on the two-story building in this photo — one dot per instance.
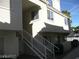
[37, 17]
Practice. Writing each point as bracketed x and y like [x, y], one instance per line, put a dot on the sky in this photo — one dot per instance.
[73, 7]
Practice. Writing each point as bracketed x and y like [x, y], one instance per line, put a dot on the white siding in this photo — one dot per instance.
[10, 15]
[5, 3]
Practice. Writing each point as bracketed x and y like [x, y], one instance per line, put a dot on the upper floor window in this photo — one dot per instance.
[50, 14]
[50, 3]
[66, 21]
[34, 15]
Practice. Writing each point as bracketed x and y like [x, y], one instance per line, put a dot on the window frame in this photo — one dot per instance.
[50, 3]
[66, 21]
[49, 15]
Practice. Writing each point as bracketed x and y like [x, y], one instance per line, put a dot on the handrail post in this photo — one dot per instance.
[45, 53]
[22, 35]
[32, 42]
[53, 53]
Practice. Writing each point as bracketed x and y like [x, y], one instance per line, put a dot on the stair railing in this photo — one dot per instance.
[33, 48]
[37, 44]
[42, 38]
[49, 44]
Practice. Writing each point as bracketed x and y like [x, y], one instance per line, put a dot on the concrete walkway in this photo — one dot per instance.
[74, 54]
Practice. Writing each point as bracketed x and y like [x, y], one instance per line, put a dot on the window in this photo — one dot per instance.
[50, 3]
[50, 14]
[35, 15]
[66, 21]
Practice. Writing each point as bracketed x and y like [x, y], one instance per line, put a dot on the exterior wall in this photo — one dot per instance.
[11, 15]
[10, 43]
[36, 29]
[56, 4]
[26, 20]
[36, 2]
[50, 37]
[54, 37]
[4, 11]
[5, 3]
[38, 24]
[58, 20]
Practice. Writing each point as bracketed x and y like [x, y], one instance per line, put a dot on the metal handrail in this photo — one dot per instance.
[31, 47]
[34, 47]
[48, 41]
[34, 50]
[39, 42]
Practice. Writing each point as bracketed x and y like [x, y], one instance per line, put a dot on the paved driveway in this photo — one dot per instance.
[73, 55]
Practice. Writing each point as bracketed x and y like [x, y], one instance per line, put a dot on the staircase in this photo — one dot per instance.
[37, 46]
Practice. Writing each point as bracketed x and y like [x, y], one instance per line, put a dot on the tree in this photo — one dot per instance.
[67, 13]
[76, 29]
